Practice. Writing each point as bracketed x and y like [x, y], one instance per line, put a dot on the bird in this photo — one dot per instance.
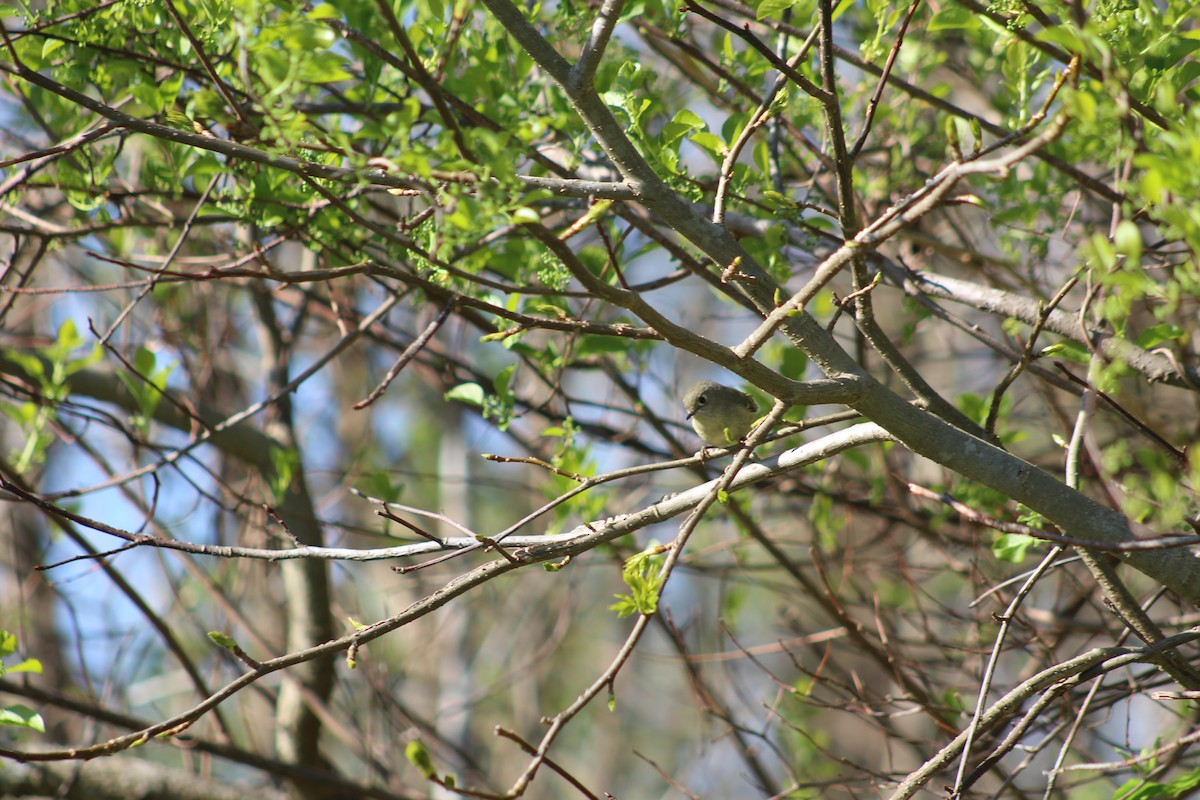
[720, 415]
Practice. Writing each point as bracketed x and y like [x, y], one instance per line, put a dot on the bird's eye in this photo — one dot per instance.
[701, 399]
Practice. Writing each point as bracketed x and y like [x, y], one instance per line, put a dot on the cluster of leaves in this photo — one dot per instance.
[17, 714]
[51, 367]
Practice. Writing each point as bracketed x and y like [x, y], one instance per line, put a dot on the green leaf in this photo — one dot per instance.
[22, 717]
[1012, 547]
[1072, 351]
[502, 381]
[50, 46]
[68, 339]
[470, 393]
[1157, 334]
[590, 345]
[793, 363]
[324, 11]
[28, 665]
[1128, 240]
[1065, 36]
[524, 215]
[284, 462]
[1142, 789]
[302, 36]
[222, 640]
[8, 644]
[1169, 51]
[143, 361]
[773, 8]
[682, 124]
[973, 405]
[956, 18]
[644, 579]
[324, 68]
[711, 143]
[419, 757]
[18, 715]
[168, 90]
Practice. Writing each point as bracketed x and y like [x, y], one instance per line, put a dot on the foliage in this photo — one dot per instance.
[18, 715]
[276, 275]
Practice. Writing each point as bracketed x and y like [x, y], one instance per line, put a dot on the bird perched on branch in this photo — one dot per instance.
[720, 415]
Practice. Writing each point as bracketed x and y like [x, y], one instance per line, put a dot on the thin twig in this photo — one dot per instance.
[869, 117]
[1178, 454]
[758, 44]
[408, 355]
[994, 659]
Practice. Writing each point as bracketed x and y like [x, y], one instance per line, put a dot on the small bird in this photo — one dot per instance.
[721, 415]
